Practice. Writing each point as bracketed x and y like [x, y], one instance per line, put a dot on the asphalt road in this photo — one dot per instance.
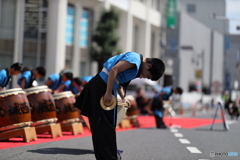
[143, 144]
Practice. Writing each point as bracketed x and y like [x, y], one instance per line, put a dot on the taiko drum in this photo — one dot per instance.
[14, 109]
[42, 105]
[66, 111]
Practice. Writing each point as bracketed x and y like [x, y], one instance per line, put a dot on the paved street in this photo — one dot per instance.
[144, 144]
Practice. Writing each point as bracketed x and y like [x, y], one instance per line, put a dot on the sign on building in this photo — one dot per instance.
[171, 13]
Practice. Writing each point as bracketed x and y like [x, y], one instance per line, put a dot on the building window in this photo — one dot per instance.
[191, 8]
[70, 25]
[84, 28]
[7, 18]
[152, 44]
[35, 19]
[136, 37]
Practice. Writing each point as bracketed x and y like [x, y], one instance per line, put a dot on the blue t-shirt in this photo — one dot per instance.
[4, 78]
[74, 89]
[167, 90]
[67, 85]
[127, 75]
[56, 78]
[28, 76]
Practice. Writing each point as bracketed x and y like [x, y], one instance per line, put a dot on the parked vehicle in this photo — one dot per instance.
[149, 87]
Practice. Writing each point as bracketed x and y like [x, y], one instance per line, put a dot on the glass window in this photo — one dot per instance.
[191, 8]
[70, 25]
[32, 21]
[136, 38]
[7, 18]
[132, 87]
[152, 44]
[148, 87]
[84, 28]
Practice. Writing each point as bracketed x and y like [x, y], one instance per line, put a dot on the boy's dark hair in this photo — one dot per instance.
[157, 69]
[17, 66]
[78, 81]
[69, 75]
[179, 90]
[41, 70]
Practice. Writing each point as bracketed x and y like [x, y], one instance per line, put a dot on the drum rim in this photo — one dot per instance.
[37, 87]
[65, 94]
[12, 91]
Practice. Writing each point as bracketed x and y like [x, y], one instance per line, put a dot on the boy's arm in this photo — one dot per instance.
[119, 67]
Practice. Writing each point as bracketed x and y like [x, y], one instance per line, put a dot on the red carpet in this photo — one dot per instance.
[145, 122]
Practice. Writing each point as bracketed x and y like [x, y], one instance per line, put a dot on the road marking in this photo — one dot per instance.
[204, 159]
[193, 150]
[184, 141]
[231, 122]
[178, 135]
[174, 130]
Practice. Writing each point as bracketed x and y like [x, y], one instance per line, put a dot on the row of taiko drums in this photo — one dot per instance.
[35, 106]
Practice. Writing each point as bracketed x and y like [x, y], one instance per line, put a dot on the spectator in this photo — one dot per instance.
[234, 111]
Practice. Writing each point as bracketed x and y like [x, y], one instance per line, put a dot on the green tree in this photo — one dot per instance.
[105, 38]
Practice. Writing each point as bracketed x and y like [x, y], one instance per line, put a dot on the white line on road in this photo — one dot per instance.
[173, 130]
[204, 159]
[178, 135]
[184, 141]
[230, 122]
[193, 150]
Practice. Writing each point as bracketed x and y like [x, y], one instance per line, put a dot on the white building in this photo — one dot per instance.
[57, 33]
[196, 46]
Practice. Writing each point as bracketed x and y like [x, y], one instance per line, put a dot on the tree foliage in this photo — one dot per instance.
[105, 38]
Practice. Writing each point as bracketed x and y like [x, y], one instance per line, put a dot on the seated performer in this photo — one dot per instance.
[6, 74]
[66, 80]
[28, 77]
[55, 80]
[76, 86]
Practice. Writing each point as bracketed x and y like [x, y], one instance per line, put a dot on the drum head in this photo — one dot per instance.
[38, 89]
[65, 94]
[13, 91]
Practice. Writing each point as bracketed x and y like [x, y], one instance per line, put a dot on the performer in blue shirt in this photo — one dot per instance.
[116, 74]
[27, 77]
[66, 81]
[158, 102]
[54, 81]
[76, 86]
[6, 74]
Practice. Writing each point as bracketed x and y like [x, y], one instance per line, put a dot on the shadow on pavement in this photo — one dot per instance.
[62, 151]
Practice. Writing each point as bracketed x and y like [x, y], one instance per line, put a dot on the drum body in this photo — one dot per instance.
[14, 109]
[66, 111]
[43, 110]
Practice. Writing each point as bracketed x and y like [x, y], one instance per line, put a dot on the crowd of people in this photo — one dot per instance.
[57, 82]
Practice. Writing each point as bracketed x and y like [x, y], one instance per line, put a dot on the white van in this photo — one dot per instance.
[147, 85]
